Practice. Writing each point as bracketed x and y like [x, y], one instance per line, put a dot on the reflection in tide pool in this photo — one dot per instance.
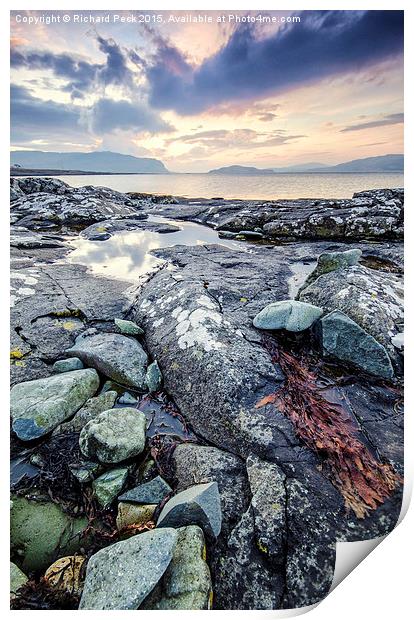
[126, 255]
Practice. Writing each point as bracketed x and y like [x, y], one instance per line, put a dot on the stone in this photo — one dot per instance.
[186, 584]
[153, 378]
[107, 486]
[71, 363]
[114, 435]
[86, 471]
[193, 463]
[128, 328]
[118, 357]
[90, 410]
[198, 505]
[66, 574]
[38, 406]
[151, 492]
[344, 339]
[134, 514]
[17, 579]
[373, 299]
[294, 316]
[249, 234]
[40, 531]
[127, 399]
[332, 261]
[122, 575]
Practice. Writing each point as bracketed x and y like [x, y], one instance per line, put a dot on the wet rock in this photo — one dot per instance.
[134, 514]
[114, 435]
[373, 299]
[119, 357]
[294, 316]
[41, 531]
[186, 584]
[66, 574]
[90, 410]
[344, 339]
[37, 407]
[71, 363]
[151, 492]
[122, 575]
[128, 328]
[108, 486]
[198, 505]
[249, 234]
[17, 579]
[105, 229]
[153, 378]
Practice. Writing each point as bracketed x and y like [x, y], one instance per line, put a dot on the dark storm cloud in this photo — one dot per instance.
[32, 118]
[108, 115]
[82, 75]
[324, 44]
[390, 119]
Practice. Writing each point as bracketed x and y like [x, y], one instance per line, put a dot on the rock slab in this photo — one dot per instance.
[122, 575]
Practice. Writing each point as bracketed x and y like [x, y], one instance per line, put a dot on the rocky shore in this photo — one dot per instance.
[201, 438]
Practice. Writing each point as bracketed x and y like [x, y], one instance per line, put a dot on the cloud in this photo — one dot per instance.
[83, 76]
[225, 139]
[323, 44]
[107, 115]
[390, 119]
[32, 118]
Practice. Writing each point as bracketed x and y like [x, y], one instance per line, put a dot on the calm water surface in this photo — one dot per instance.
[233, 186]
[126, 255]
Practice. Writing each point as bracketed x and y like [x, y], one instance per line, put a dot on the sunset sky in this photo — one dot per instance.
[203, 95]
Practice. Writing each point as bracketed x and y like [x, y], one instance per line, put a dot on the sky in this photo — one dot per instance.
[264, 89]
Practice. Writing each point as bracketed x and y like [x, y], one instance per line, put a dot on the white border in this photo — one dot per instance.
[380, 586]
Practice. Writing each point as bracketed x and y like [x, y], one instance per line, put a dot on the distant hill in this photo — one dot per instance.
[383, 163]
[96, 161]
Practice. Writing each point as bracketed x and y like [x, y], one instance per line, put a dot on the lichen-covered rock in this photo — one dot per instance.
[122, 575]
[40, 532]
[186, 584]
[128, 328]
[90, 410]
[153, 378]
[198, 505]
[332, 261]
[108, 486]
[373, 299]
[294, 316]
[114, 435]
[151, 492]
[71, 363]
[17, 579]
[38, 406]
[118, 357]
[344, 339]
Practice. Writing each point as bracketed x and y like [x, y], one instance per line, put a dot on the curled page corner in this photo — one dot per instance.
[349, 555]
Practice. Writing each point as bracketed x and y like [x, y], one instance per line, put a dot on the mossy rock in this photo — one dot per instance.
[41, 532]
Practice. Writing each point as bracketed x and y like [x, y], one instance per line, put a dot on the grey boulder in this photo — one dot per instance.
[128, 328]
[294, 316]
[151, 492]
[72, 363]
[122, 575]
[114, 435]
[186, 584]
[116, 356]
[198, 505]
[344, 339]
[38, 406]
